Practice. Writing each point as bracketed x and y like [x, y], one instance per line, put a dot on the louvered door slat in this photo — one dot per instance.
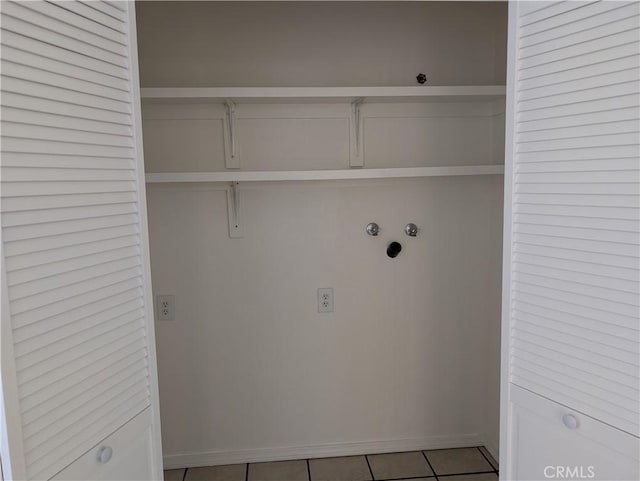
[624, 285]
[68, 123]
[63, 187]
[12, 23]
[49, 396]
[52, 57]
[600, 118]
[580, 61]
[574, 229]
[35, 301]
[55, 350]
[77, 238]
[57, 201]
[52, 17]
[104, 293]
[47, 437]
[583, 18]
[612, 165]
[619, 336]
[619, 237]
[36, 341]
[562, 78]
[72, 228]
[123, 362]
[533, 341]
[13, 56]
[95, 15]
[111, 8]
[30, 217]
[39, 104]
[66, 80]
[555, 22]
[35, 232]
[37, 146]
[589, 83]
[25, 159]
[102, 386]
[612, 39]
[89, 407]
[577, 244]
[609, 271]
[544, 11]
[604, 30]
[17, 174]
[560, 188]
[580, 108]
[47, 89]
[104, 310]
[68, 14]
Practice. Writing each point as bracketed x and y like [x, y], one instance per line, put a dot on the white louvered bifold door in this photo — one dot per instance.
[78, 355]
[572, 217]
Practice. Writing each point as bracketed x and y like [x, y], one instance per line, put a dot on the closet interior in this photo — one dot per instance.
[274, 133]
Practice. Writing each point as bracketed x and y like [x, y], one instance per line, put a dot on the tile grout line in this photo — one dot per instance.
[366, 458]
[495, 470]
[308, 470]
[466, 474]
[429, 463]
[402, 479]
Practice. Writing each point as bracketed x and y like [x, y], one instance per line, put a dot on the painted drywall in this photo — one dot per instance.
[249, 370]
[211, 44]
[249, 364]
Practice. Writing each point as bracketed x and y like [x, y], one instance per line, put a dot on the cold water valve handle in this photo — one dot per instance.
[411, 230]
[373, 229]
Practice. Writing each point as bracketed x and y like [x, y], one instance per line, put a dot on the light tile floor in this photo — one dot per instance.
[460, 464]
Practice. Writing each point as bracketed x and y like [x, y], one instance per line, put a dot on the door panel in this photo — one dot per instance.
[78, 353]
[547, 449]
[571, 299]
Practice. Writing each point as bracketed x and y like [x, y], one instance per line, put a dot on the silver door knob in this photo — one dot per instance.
[104, 454]
[570, 421]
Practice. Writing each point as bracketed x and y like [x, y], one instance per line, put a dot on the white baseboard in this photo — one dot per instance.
[216, 458]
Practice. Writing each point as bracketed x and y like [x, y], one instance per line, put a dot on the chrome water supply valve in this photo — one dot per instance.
[373, 229]
[411, 229]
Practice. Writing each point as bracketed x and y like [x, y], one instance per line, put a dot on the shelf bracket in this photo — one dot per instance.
[231, 158]
[233, 211]
[356, 159]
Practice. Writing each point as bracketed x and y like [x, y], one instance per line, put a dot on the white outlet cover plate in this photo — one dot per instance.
[325, 299]
[166, 307]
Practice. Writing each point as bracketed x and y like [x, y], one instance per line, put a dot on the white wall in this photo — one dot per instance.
[211, 44]
[250, 364]
[410, 356]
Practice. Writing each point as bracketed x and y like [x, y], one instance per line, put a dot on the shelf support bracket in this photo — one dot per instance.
[356, 159]
[233, 211]
[231, 158]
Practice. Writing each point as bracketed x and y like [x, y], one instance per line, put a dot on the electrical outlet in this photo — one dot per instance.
[165, 308]
[325, 299]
